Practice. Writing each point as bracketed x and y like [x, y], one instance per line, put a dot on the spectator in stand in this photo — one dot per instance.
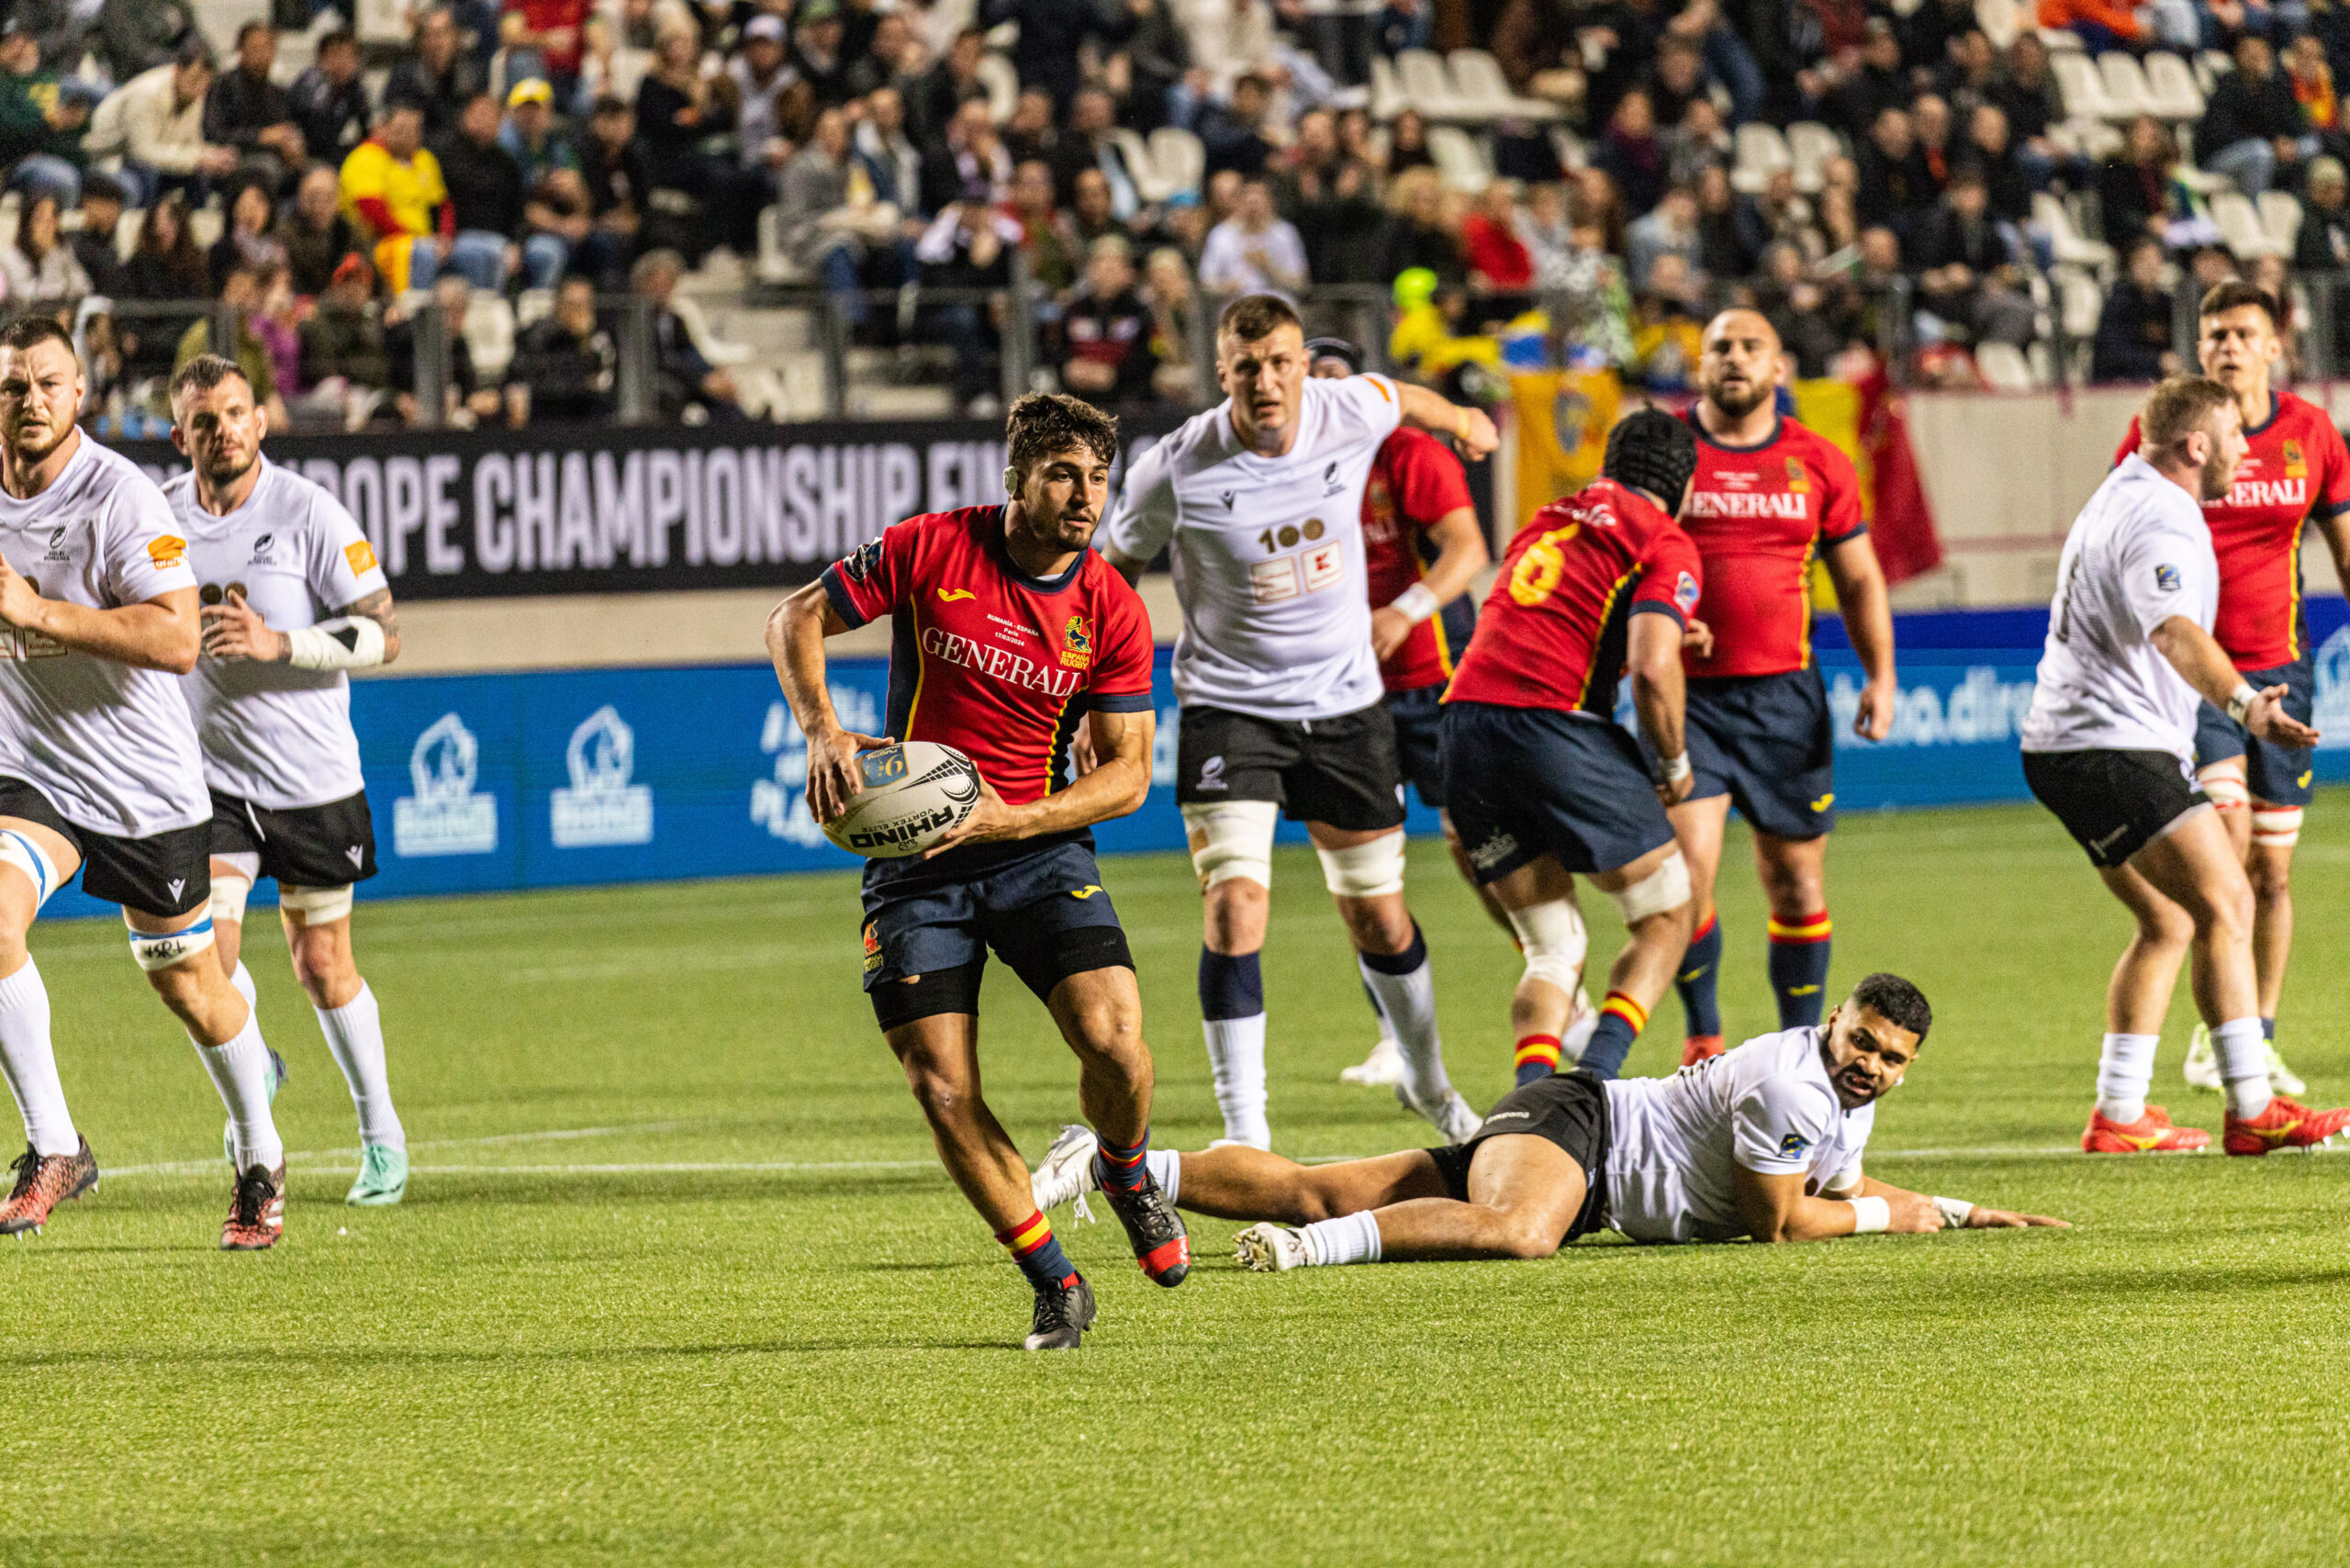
[1896, 190]
[248, 239]
[766, 89]
[1970, 74]
[1088, 145]
[1106, 332]
[135, 37]
[1498, 260]
[1676, 79]
[894, 58]
[1407, 144]
[1052, 32]
[618, 180]
[1966, 278]
[553, 33]
[1539, 46]
[817, 55]
[166, 264]
[946, 87]
[2101, 24]
[1234, 133]
[275, 321]
[331, 100]
[1543, 228]
[1667, 321]
[435, 76]
[2251, 131]
[1929, 118]
[1159, 64]
[1799, 309]
[967, 246]
[530, 135]
[2136, 187]
[1399, 25]
[1669, 230]
[1029, 132]
[888, 155]
[393, 192]
[157, 120]
[1089, 217]
[1332, 196]
[2134, 330]
[316, 234]
[1254, 250]
[342, 338]
[559, 226]
[1697, 142]
[1601, 206]
[1631, 154]
[39, 266]
[1729, 235]
[566, 364]
[60, 29]
[1778, 213]
[1850, 96]
[1229, 40]
[1989, 149]
[2323, 243]
[1415, 234]
[466, 401]
[486, 193]
[1045, 240]
[969, 163]
[1175, 311]
[246, 110]
[819, 230]
[2312, 80]
[95, 244]
[241, 294]
[683, 380]
[41, 125]
[678, 112]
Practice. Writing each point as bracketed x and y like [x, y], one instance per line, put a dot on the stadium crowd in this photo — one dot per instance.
[912, 160]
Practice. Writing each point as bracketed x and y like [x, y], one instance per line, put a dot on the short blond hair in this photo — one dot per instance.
[2179, 408]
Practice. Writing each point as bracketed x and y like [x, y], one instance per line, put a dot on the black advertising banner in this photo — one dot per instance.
[484, 514]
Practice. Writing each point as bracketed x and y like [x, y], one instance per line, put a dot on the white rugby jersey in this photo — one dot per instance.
[2138, 554]
[110, 745]
[273, 735]
[1767, 1105]
[1267, 553]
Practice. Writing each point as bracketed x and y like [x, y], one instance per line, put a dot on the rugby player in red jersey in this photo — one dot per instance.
[1008, 634]
[1422, 546]
[2295, 474]
[1544, 783]
[1770, 497]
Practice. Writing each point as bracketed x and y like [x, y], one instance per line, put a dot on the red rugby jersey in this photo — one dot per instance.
[988, 659]
[1414, 480]
[1759, 514]
[1552, 631]
[2297, 469]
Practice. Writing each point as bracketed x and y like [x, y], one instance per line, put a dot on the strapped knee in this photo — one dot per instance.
[317, 906]
[2278, 827]
[1231, 839]
[2224, 785]
[18, 850]
[1367, 870]
[228, 896]
[1666, 888]
[1555, 942]
[153, 950]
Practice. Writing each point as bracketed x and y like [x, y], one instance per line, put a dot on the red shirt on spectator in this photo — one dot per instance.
[546, 16]
[1496, 251]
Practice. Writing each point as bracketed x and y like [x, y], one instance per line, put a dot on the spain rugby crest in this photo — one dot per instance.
[1076, 644]
[2296, 466]
[1798, 482]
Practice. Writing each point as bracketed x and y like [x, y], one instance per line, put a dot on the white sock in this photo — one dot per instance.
[1407, 1002]
[30, 1066]
[354, 1033]
[239, 1071]
[243, 980]
[1166, 1167]
[2126, 1070]
[1352, 1238]
[2243, 1051]
[1236, 1055]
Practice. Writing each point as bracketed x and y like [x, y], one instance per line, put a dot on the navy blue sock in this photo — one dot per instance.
[1800, 953]
[1122, 1165]
[2268, 1030]
[1621, 1019]
[1038, 1252]
[1699, 982]
[1231, 985]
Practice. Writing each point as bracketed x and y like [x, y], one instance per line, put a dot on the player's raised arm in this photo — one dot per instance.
[1432, 413]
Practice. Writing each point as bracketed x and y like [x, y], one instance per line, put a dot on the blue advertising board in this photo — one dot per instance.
[491, 782]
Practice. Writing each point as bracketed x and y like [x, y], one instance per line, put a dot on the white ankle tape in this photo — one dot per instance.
[1366, 870]
[1555, 942]
[1231, 839]
[155, 950]
[2277, 826]
[317, 906]
[18, 850]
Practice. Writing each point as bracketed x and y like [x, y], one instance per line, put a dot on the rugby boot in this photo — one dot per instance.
[382, 1178]
[229, 1128]
[1064, 1312]
[256, 1210]
[43, 1181]
[1697, 1048]
[1065, 1173]
[1270, 1248]
[1384, 1065]
[2150, 1134]
[1153, 1228]
[2286, 1123]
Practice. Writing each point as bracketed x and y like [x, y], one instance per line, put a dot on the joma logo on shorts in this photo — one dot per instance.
[1493, 851]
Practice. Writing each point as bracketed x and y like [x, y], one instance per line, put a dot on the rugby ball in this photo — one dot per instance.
[913, 794]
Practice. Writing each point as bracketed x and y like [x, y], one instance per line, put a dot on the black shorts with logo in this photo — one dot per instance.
[1570, 1109]
[1341, 771]
[309, 846]
[165, 873]
[2114, 803]
[2276, 775]
[1530, 781]
[1768, 743]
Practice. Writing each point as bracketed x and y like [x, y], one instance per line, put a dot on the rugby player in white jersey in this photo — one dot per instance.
[1259, 500]
[2108, 748]
[100, 773]
[292, 601]
[1764, 1141]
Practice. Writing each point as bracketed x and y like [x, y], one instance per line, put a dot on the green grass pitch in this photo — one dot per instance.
[678, 1281]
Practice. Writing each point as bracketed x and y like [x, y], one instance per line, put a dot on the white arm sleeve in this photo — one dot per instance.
[349, 641]
[1144, 522]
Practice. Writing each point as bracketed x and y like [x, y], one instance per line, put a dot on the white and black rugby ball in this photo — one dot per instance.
[914, 794]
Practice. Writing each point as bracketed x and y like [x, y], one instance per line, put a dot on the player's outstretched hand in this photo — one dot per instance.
[234, 630]
[990, 819]
[1477, 435]
[2268, 720]
[834, 777]
[1874, 719]
[2004, 1220]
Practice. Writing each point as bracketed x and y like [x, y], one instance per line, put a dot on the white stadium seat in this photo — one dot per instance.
[1002, 82]
[2280, 215]
[1813, 146]
[489, 334]
[1430, 88]
[1179, 158]
[2125, 84]
[2004, 368]
[1459, 159]
[2240, 226]
[1141, 168]
[1761, 152]
[2065, 240]
[2171, 84]
[2082, 88]
[1388, 98]
[1477, 78]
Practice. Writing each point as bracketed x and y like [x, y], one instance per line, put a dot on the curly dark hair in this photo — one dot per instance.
[1896, 1002]
[1044, 423]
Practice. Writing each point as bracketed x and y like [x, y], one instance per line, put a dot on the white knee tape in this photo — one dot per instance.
[317, 906]
[1555, 942]
[1232, 838]
[18, 850]
[1365, 872]
[155, 950]
[228, 896]
[2279, 827]
[2228, 794]
[1665, 888]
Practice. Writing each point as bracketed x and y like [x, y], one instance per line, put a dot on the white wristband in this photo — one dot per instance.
[354, 642]
[1675, 769]
[1870, 1215]
[1415, 603]
[1954, 1212]
[2240, 704]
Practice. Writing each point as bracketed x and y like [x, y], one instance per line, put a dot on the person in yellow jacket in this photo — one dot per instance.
[392, 191]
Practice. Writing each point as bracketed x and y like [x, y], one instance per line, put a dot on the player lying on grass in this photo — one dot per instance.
[1763, 1141]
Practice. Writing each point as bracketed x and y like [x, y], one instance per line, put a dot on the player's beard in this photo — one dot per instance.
[1749, 396]
[223, 472]
[2217, 478]
[33, 444]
